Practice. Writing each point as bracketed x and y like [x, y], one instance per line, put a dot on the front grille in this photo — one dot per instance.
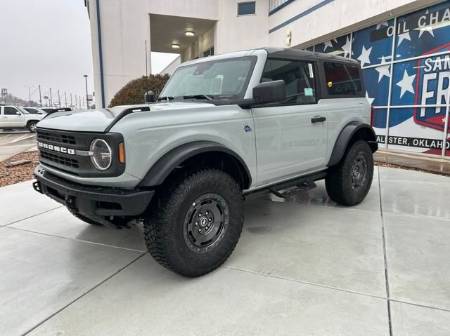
[67, 151]
[65, 161]
[56, 138]
[60, 139]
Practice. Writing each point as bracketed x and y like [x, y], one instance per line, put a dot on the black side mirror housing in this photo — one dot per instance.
[149, 97]
[269, 92]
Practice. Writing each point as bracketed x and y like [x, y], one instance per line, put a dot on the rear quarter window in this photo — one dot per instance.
[342, 79]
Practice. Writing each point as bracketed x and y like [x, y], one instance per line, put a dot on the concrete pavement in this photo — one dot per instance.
[15, 142]
[302, 267]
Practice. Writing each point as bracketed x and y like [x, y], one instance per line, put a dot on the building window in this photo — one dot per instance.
[405, 65]
[276, 5]
[246, 8]
[209, 52]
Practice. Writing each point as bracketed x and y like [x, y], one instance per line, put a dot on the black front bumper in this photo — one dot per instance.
[97, 203]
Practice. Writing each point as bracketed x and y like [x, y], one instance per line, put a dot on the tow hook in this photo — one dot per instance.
[37, 187]
[70, 203]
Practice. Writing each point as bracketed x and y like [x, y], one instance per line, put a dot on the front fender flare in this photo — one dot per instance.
[169, 161]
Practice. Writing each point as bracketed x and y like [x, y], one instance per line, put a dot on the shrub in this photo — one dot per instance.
[133, 92]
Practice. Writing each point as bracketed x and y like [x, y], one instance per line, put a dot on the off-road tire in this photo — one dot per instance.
[340, 183]
[31, 126]
[165, 225]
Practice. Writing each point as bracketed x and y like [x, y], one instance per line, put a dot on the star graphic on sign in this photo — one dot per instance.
[327, 45]
[383, 70]
[384, 59]
[428, 30]
[404, 36]
[385, 23]
[365, 56]
[406, 84]
[347, 47]
[370, 100]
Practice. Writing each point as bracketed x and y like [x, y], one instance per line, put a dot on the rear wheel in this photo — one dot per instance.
[32, 126]
[349, 182]
[195, 224]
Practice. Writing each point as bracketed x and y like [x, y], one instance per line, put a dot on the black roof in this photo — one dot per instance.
[291, 53]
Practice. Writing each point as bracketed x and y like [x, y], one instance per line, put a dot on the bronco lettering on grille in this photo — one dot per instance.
[56, 148]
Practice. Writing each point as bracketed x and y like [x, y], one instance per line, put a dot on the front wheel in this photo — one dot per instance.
[194, 225]
[349, 182]
[32, 126]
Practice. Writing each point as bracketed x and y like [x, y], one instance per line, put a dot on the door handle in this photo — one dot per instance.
[318, 119]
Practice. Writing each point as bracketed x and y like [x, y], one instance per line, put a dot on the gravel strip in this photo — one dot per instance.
[20, 173]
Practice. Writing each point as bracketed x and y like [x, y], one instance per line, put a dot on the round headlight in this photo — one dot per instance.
[101, 154]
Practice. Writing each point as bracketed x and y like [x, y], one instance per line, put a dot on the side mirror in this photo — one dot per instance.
[18, 113]
[269, 92]
[149, 97]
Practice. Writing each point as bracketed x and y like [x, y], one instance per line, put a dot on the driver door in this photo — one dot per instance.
[291, 136]
[13, 117]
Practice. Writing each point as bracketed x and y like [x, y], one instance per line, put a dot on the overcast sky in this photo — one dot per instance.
[48, 42]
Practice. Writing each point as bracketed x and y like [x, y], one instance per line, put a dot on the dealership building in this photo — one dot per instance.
[403, 47]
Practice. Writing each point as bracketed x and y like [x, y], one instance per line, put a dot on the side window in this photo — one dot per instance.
[246, 8]
[342, 79]
[298, 76]
[8, 110]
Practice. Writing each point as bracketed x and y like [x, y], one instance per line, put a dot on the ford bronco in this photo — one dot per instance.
[222, 128]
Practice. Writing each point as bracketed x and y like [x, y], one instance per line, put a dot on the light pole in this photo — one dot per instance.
[40, 96]
[87, 98]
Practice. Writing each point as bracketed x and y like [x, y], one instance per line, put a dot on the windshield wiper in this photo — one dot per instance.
[198, 96]
[167, 98]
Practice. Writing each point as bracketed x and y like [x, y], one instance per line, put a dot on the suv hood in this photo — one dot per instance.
[99, 120]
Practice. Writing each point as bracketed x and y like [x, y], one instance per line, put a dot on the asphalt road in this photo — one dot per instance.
[12, 143]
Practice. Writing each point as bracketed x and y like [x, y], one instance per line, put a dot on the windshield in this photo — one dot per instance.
[227, 78]
[31, 110]
[21, 109]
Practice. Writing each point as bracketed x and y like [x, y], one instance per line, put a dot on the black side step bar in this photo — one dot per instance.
[303, 182]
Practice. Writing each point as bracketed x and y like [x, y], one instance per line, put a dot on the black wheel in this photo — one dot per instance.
[349, 182]
[195, 224]
[32, 126]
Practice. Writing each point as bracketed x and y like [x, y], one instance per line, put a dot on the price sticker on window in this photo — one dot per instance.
[311, 71]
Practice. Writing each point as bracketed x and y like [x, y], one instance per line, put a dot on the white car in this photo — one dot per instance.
[17, 117]
[34, 110]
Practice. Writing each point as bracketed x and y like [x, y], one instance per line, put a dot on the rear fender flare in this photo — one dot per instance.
[346, 136]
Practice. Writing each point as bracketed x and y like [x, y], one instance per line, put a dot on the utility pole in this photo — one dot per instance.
[40, 95]
[50, 98]
[65, 98]
[87, 94]
[146, 60]
[59, 99]
[71, 103]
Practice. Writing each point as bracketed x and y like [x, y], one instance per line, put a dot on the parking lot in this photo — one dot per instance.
[302, 267]
[14, 142]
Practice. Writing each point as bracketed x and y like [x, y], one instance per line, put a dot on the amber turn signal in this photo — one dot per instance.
[121, 153]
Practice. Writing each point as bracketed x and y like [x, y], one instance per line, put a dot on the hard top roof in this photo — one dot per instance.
[291, 53]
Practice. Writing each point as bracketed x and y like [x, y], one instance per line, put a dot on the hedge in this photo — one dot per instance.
[133, 92]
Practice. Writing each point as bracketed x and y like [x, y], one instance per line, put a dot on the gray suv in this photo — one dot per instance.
[223, 127]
